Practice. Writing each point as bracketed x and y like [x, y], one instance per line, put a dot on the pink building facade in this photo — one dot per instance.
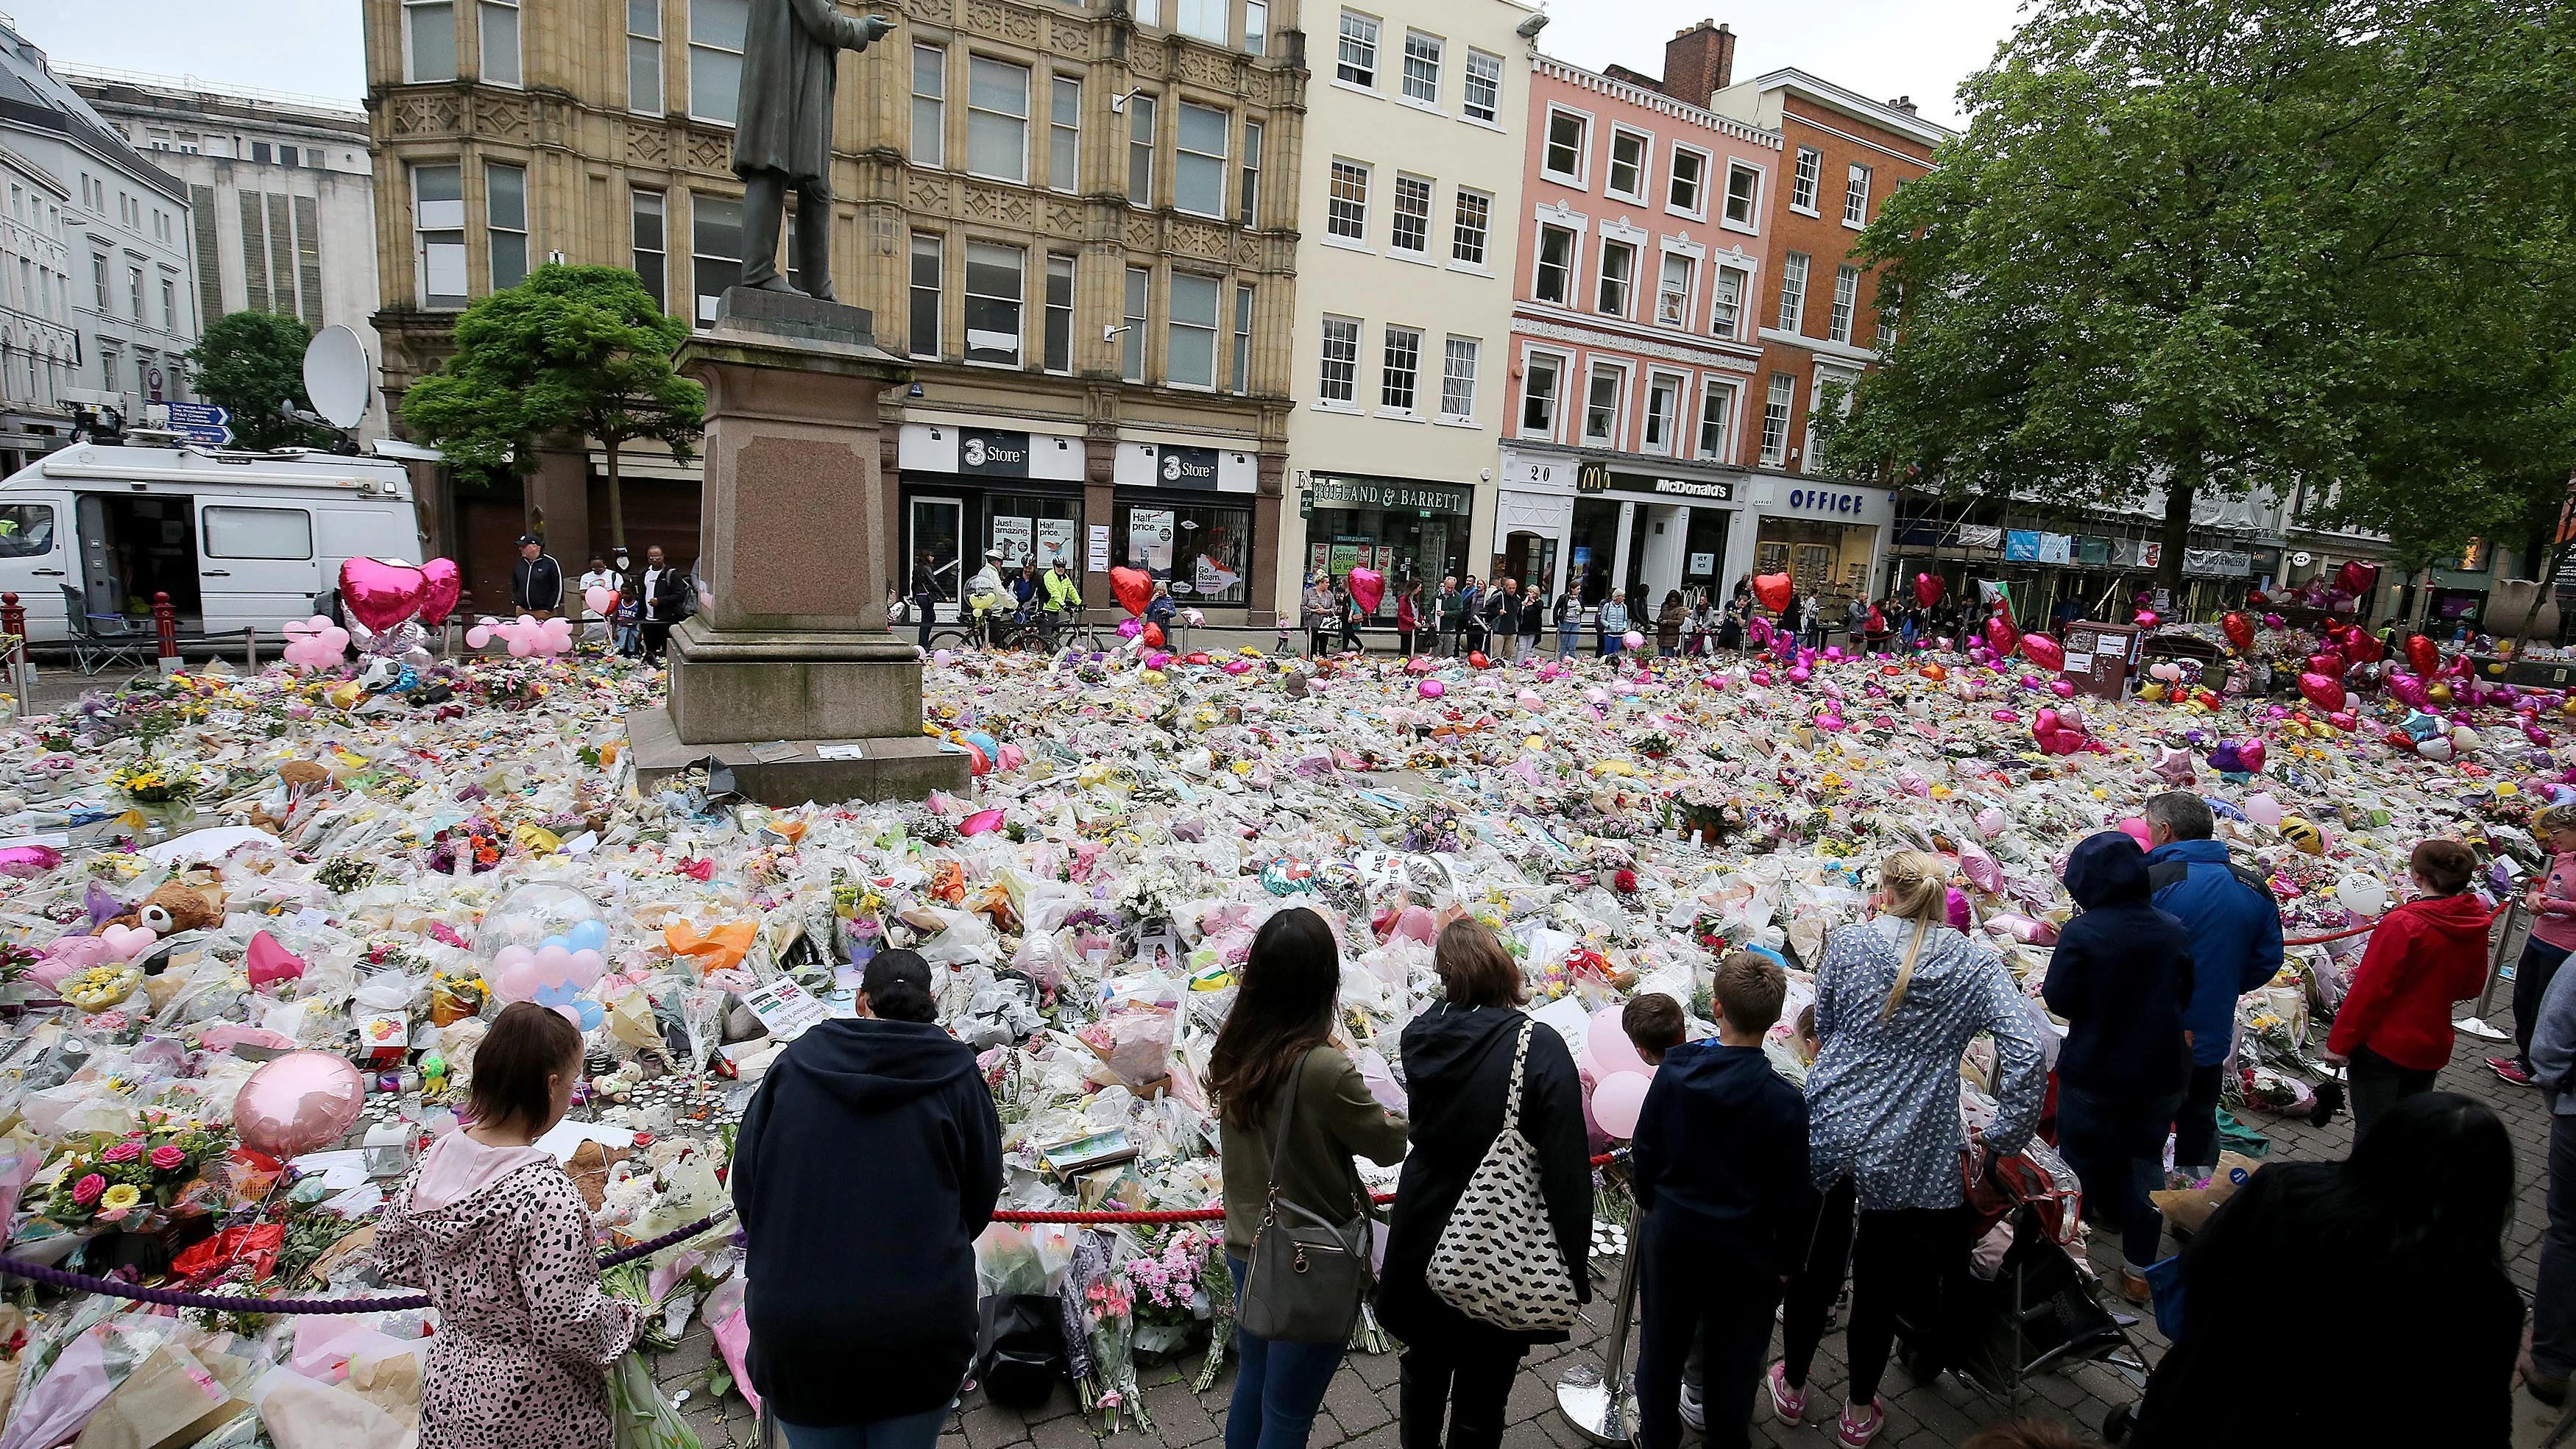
[1636, 351]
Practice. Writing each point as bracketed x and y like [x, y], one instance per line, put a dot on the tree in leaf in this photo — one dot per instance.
[571, 351]
[2191, 248]
[248, 363]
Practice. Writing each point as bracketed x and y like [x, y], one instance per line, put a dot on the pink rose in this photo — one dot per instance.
[167, 1158]
[86, 1191]
[122, 1152]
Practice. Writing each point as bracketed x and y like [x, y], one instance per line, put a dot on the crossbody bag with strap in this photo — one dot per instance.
[1308, 1272]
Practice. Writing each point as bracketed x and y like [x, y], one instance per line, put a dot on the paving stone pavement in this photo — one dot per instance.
[1360, 1408]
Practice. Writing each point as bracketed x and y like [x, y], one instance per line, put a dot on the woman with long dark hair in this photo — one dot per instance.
[2425, 1321]
[1274, 1060]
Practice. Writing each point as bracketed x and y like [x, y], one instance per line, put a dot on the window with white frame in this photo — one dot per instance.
[1341, 375]
[1888, 305]
[1064, 133]
[1412, 229]
[996, 287]
[1743, 196]
[429, 42]
[438, 237]
[644, 56]
[169, 305]
[1140, 150]
[1716, 420]
[1802, 180]
[1726, 319]
[927, 253]
[1356, 61]
[1618, 274]
[1458, 380]
[1542, 383]
[1131, 335]
[1782, 396]
[1059, 313]
[1482, 99]
[1243, 337]
[1563, 158]
[1663, 411]
[1601, 404]
[997, 118]
[1346, 203]
[1189, 342]
[1846, 301]
[1686, 192]
[1248, 206]
[1842, 388]
[716, 30]
[1627, 165]
[1555, 281]
[1856, 197]
[1672, 291]
[1256, 28]
[1198, 164]
[715, 250]
[650, 235]
[499, 21]
[929, 105]
[1208, 20]
[1400, 369]
[1469, 232]
[1422, 67]
[1793, 291]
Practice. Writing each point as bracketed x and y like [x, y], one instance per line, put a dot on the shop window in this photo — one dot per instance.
[1601, 405]
[995, 287]
[1030, 529]
[1204, 553]
[1542, 382]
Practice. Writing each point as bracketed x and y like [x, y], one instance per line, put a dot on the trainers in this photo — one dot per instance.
[2133, 1286]
[2548, 1390]
[1694, 1417]
[2511, 1071]
[1790, 1404]
[1860, 1425]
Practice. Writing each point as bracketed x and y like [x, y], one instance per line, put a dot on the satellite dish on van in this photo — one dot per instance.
[335, 376]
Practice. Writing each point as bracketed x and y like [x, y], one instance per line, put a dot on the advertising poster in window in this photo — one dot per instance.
[1149, 540]
[1055, 542]
[1212, 577]
[1012, 536]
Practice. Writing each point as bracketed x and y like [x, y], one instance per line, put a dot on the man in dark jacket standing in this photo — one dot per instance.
[2235, 928]
[866, 1165]
[2121, 976]
[536, 582]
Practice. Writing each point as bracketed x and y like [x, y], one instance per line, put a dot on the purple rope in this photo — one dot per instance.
[218, 1303]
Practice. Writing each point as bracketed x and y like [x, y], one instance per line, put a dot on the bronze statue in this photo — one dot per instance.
[783, 133]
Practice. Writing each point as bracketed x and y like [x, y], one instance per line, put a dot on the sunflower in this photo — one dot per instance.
[120, 1197]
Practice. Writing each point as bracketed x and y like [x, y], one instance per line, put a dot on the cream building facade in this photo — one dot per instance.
[1414, 152]
[1081, 227]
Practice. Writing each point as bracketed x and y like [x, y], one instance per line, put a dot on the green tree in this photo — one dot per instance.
[2197, 247]
[571, 351]
[249, 362]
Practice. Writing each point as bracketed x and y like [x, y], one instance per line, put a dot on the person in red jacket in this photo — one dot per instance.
[2395, 1024]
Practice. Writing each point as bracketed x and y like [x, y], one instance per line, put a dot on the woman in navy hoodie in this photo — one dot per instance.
[2121, 977]
[867, 1163]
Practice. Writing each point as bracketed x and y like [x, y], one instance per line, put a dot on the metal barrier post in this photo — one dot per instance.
[2508, 919]
[1600, 1400]
[250, 649]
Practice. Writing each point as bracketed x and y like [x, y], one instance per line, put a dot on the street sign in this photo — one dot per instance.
[211, 437]
[201, 423]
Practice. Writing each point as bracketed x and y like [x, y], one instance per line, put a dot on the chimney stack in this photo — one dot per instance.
[1903, 103]
[1699, 62]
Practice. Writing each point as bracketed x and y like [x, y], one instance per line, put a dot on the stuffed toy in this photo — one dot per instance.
[172, 908]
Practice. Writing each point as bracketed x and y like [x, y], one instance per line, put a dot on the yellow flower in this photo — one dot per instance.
[120, 1197]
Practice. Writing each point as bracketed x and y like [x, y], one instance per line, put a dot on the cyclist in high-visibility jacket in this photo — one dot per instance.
[1062, 598]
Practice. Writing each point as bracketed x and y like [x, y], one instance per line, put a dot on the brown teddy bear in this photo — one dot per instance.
[172, 908]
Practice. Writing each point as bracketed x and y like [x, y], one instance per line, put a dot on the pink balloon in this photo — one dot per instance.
[521, 646]
[298, 1103]
[1608, 1045]
[380, 594]
[601, 599]
[1367, 587]
[587, 967]
[2061, 688]
[478, 637]
[441, 586]
[554, 965]
[1431, 689]
[1617, 1100]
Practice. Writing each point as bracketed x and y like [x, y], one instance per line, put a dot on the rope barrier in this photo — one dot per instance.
[1184, 1215]
[2362, 929]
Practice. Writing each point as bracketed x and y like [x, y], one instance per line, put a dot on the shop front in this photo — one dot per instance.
[1184, 513]
[966, 489]
[1592, 525]
[1826, 536]
[1403, 528]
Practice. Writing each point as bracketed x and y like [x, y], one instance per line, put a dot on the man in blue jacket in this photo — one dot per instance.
[2235, 928]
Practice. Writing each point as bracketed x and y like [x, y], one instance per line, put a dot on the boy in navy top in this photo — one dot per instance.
[1720, 1169]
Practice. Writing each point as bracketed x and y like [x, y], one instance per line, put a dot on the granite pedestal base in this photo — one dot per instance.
[784, 773]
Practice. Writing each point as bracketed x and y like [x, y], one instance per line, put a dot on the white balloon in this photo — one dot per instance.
[2361, 895]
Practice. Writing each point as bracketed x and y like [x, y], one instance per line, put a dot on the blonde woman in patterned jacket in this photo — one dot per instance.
[492, 1227]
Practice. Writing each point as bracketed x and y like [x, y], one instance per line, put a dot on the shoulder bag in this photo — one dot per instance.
[1497, 1260]
[1308, 1273]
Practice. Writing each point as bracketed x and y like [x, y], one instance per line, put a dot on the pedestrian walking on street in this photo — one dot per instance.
[1533, 622]
[882, 1120]
[491, 1226]
[1898, 996]
[1275, 1075]
[1458, 1063]
[536, 581]
[925, 594]
[2394, 1025]
[2408, 1235]
[1569, 622]
[2121, 977]
[2551, 899]
[1346, 607]
[2235, 928]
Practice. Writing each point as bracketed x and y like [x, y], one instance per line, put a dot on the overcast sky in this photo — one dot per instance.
[1881, 48]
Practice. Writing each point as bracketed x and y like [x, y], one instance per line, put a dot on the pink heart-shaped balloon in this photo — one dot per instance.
[441, 585]
[128, 942]
[1367, 586]
[268, 961]
[380, 594]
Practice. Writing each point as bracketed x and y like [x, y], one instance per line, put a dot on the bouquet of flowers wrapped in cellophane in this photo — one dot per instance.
[642, 1419]
[1099, 1332]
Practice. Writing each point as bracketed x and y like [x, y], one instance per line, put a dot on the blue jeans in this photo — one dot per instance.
[2553, 1301]
[1277, 1386]
[915, 1431]
[2117, 1147]
[1565, 643]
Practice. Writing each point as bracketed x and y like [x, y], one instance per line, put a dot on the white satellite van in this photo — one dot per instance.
[238, 540]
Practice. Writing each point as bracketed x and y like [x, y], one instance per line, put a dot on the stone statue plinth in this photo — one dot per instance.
[788, 673]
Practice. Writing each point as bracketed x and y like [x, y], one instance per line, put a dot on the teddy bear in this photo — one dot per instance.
[172, 908]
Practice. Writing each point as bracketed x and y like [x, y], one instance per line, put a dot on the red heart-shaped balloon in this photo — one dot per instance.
[2043, 651]
[2251, 753]
[2328, 662]
[380, 594]
[440, 586]
[2423, 655]
[2322, 691]
[1928, 589]
[1134, 588]
[1774, 590]
[1999, 635]
[2240, 630]
[2364, 646]
[1367, 586]
[2357, 578]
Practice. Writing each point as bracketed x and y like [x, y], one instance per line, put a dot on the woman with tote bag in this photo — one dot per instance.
[1459, 1059]
[1291, 1112]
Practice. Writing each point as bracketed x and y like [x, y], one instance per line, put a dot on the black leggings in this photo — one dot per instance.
[1899, 1258]
[1470, 1382]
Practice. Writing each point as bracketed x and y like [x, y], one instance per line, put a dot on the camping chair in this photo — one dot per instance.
[100, 641]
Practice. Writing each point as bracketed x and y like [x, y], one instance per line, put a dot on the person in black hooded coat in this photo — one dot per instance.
[1458, 1066]
[866, 1165]
[2121, 977]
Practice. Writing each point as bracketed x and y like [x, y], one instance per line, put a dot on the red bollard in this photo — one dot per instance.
[165, 622]
[13, 616]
